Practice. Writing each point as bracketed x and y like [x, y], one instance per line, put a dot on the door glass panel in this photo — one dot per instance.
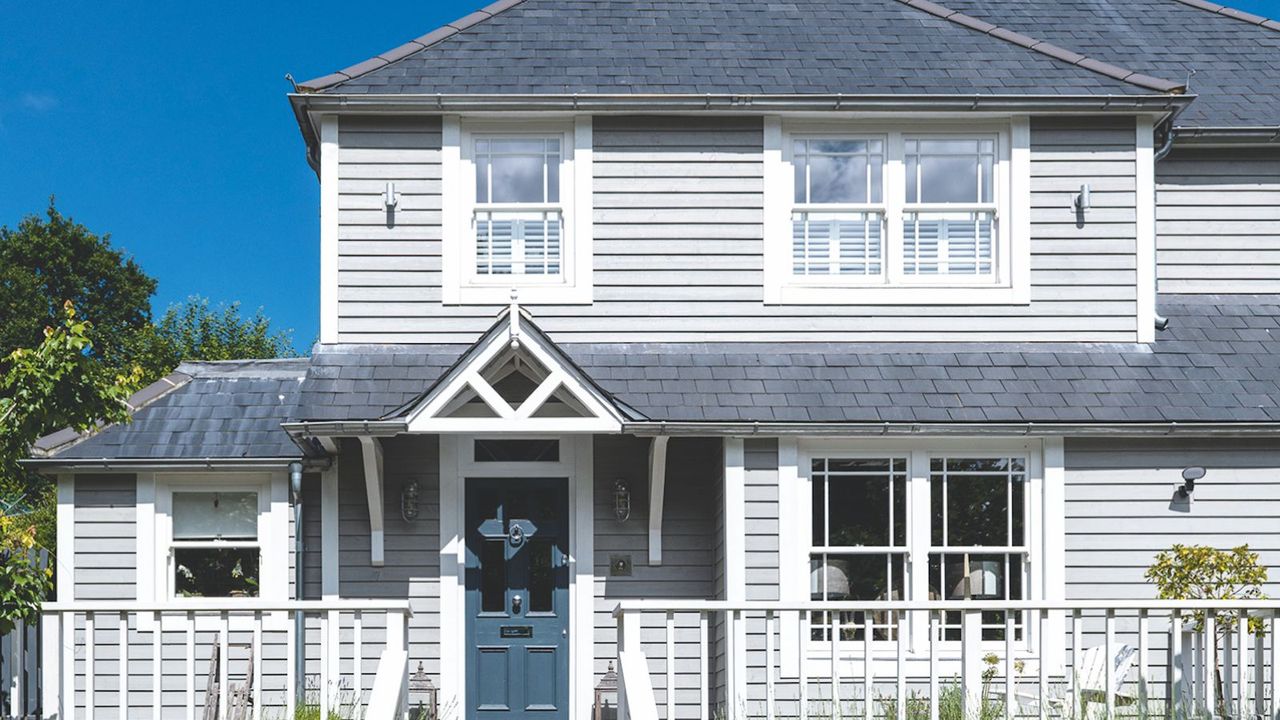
[493, 576]
[541, 576]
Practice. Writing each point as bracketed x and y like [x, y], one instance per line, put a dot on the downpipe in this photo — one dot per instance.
[1161, 321]
[299, 621]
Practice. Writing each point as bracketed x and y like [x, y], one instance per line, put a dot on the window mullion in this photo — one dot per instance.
[894, 179]
[917, 565]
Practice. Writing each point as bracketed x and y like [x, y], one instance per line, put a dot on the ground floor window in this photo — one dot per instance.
[917, 526]
[215, 550]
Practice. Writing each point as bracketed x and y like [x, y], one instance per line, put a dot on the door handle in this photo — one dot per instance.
[516, 601]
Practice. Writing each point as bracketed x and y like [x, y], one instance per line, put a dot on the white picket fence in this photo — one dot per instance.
[1178, 659]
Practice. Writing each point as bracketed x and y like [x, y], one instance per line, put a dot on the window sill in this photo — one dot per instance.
[854, 294]
[527, 294]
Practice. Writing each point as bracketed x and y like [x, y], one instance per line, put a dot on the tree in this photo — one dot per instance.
[58, 383]
[1200, 572]
[48, 261]
[193, 330]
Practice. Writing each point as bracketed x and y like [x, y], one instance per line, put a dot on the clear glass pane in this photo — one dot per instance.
[493, 575]
[954, 170]
[859, 513]
[518, 243]
[215, 515]
[541, 576]
[517, 179]
[216, 572]
[837, 179]
[876, 577]
[977, 510]
[819, 507]
[516, 450]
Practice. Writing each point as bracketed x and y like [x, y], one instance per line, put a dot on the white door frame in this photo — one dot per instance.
[456, 464]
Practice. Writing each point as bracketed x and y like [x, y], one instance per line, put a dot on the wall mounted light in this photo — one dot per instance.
[1082, 200]
[409, 501]
[1189, 477]
[390, 197]
[621, 501]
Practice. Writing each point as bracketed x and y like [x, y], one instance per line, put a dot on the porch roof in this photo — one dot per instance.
[1219, 362]
[202, 410]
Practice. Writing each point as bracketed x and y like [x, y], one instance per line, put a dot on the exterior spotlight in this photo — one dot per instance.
[1189, 477]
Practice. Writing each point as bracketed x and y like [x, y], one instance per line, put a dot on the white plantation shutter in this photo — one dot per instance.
[948, 243]
[837, 243]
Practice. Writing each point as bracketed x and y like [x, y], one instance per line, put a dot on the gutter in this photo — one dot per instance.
[304, 104]
[888, 429]
[1243, 135]
[339, 428]
[130, 464]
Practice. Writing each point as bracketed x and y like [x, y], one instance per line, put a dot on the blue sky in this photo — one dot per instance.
[166, 125]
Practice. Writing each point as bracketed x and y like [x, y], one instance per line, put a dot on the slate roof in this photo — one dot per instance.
[1219, 361]
[720, 47]
[1235, 56]
[213, 410]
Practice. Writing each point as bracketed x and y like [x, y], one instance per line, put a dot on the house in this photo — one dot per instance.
[792, 358]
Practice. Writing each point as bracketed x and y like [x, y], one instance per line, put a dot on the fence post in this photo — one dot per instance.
[971, 661]
[50, 665]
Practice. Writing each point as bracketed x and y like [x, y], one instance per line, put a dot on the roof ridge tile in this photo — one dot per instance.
[1233, 13]
[1048, 49]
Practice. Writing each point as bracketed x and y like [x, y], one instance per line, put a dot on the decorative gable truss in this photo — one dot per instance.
[514, 380]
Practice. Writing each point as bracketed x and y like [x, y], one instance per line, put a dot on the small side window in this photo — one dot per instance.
[215, 550]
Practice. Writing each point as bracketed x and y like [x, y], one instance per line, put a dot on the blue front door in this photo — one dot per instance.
[517, 598]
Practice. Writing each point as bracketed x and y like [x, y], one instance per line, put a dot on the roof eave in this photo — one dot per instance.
[893, 429]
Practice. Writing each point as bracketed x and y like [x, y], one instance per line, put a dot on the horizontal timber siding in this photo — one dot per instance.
[688, 569]
[678, 247]
[411, 569]
[105, 544]
[1218, 221]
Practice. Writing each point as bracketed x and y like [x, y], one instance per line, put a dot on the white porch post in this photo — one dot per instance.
[734, 570]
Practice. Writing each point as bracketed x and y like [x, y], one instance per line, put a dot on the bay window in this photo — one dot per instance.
[920, 214]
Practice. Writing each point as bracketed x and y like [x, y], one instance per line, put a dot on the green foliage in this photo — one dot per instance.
[56, 384]
[194, 330]
[1200, 572]
[23, 583]
[48, 261]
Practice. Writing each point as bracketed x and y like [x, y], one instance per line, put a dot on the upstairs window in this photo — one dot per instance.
[837, 222]
[516, 211]
[519, 221]
[910, 216]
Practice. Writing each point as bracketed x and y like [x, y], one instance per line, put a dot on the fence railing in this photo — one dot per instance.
[972, 660]
[122, 659]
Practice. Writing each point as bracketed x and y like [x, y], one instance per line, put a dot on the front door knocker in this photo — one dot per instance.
[517, 535]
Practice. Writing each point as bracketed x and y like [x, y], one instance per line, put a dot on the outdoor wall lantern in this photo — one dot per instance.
[424, 693]
[621, 501]
[409, 501]
[607, 690]
[1189, 477]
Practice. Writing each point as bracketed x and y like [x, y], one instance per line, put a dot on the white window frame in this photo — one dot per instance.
[1043, 535]
[272, 541]
[461, 284]
[1011, 279]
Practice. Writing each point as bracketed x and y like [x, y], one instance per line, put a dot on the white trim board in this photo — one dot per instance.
[576, 464]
